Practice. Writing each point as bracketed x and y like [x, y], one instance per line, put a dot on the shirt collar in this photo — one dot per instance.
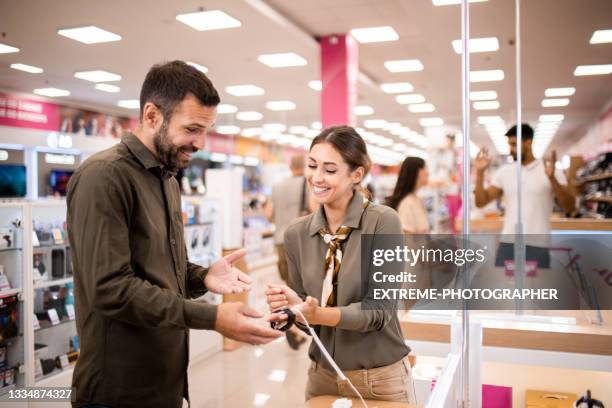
[352, 218]
[144, 155]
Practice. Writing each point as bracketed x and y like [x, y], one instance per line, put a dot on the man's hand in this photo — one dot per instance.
[482, 160]
[281, 296]
[223, 278]
[233, 322]
[549, 165]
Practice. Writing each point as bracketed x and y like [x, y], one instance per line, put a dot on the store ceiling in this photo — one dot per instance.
[555, 39]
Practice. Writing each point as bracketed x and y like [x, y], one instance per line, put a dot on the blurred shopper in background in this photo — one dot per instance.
[412, 176]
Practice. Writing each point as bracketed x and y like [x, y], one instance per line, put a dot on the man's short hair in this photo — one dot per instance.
[526, 131]
[166, 85]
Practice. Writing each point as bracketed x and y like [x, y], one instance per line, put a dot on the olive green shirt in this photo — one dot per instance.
[363, 338]
[132, 280]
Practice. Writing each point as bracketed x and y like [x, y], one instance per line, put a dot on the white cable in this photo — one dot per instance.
[328, 357]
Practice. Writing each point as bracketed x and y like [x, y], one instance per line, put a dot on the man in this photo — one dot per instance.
[289, 201]
[540, 183]
[133, 282]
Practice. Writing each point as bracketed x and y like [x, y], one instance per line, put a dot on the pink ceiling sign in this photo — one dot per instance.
[19, 112]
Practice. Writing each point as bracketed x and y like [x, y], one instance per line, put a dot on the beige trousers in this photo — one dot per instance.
[390, 383]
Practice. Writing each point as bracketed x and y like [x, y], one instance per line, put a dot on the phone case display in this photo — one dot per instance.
[202, 219]
[595, 181]
[12, 345]
[56, 346]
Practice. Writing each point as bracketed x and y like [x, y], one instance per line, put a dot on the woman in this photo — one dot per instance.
[413, 215]
[323, 253]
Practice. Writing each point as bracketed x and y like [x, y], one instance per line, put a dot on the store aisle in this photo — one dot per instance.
[271, 376]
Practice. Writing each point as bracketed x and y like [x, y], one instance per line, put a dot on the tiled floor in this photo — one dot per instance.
[245, 378]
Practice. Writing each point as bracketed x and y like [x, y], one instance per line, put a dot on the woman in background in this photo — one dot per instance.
[412, 176]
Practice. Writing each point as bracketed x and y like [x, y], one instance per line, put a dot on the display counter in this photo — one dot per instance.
[326, 401]
[494, 224]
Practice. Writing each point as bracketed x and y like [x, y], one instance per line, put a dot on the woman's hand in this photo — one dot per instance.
[281, 296]
[309, 309]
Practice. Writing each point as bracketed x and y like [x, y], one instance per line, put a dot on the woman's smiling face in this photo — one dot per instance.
[329, 177]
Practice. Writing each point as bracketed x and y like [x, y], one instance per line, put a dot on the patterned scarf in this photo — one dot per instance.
[333, 259]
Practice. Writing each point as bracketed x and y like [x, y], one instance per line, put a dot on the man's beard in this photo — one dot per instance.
[168, 152]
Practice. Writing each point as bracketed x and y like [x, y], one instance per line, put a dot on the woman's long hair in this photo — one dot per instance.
[406, 180]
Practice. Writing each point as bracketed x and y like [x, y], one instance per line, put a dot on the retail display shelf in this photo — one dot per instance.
[53, 282]
[54, 374]
[10, 249]
[262, 262]
[596, 177]
[600, 199]
[45, 325]
[9, 292]
[52, 246]
[6, 389]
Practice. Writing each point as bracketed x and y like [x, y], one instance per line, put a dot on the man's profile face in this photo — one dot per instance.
[513, 150]
[185, 133]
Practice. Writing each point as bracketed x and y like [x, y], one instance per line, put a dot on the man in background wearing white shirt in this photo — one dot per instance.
[540, 183]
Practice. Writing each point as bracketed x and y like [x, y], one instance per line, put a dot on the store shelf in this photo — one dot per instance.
[9, 249]
[53, 375]
[53, 282]
[9, 292]
[52, 246]
[44, 325]
[6, 389]
[596, 177]
[600, 199]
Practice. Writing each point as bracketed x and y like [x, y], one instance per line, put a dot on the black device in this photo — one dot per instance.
[58, 263]
[284, 326]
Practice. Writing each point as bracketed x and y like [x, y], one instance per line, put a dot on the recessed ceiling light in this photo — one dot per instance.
[409, 65]
[277, 375]
[97, 76]
[374, 34]
[249, 116]
[298, 130]
[27, 68]
[208, 20]
[244, 90]
[280, 105]
[548, 103]
[451, 2]
[409, 98]
[7, 49]
[551, 118]
[486, 105]
[129, 103]
[483, 95]
[89, 35]
[483, 120]
[487, 75]
[51, 92]
[601, 36]
[425, 122]
[602, 69]
[251, 132]
[107, 88]
[224, 108]
[421, 107]
[374, 123]
[485, 44]
[396, 87]
[554, 92]
[363, 110]
[315, 84]
[282, 60]
[197, 66]
[274, 127]
[261, 399]
[228, 130]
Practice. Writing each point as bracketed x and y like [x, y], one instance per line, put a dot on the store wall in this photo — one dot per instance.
[14, 156]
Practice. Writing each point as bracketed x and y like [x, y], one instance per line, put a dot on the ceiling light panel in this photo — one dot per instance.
[374, 34]
[89, 35]
[209, 20]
